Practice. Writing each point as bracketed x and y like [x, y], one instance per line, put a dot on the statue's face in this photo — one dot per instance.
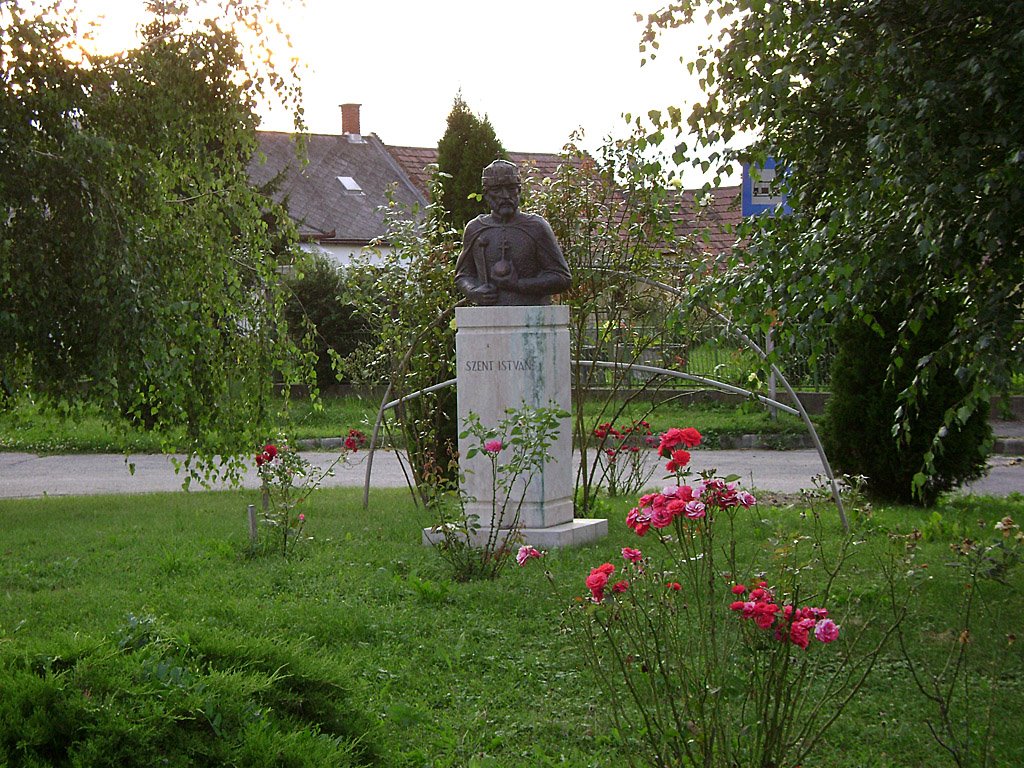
[502, 198]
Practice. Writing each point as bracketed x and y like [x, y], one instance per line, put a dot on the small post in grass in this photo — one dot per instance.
[253, 530]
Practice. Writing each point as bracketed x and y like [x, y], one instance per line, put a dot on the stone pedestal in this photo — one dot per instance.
[511, 357]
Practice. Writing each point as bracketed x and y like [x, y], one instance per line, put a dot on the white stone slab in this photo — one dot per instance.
[571, 534]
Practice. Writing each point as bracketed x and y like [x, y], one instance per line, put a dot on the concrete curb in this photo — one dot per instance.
[1008, 446]
[1002, 446]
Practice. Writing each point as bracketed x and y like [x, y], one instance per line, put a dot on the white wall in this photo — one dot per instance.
[342, 255]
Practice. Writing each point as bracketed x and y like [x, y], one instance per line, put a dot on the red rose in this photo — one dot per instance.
[690, 437]
[597, 580]
[679, 460]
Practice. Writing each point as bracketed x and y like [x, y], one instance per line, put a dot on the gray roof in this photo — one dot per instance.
[321, 205]
[326, 212]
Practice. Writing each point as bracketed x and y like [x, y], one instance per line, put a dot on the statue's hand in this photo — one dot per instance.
[484, 294]
[508, 278]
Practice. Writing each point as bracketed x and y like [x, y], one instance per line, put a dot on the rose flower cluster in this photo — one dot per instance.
[658, 510]
[598, 580]
[788, 623]
[267, 455]
[625, 439]
[354, 440]
[669, 447]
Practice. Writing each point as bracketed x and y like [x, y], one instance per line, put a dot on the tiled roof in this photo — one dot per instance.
[712, 218]
[414, 161]
[322, 206]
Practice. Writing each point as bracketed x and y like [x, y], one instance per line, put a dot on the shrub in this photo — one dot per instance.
[861, 412]
[146, 698]
[316, 306]
[408, 300]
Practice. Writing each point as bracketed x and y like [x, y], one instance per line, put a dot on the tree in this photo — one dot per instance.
[898, 125]
[140, 269]
[469, 144]
[407, 301]
[318, 311]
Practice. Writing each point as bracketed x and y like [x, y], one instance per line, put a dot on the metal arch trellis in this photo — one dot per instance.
[754, 347]
[385, 405]
[799, 410]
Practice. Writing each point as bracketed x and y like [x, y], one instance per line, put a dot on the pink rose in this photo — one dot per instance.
[826, 631]
[493, 446]
[527, 552]
[639, 520]
[695, 509]
[746, 499]
[632, 555]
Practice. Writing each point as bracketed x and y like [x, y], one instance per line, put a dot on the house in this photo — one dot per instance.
[336, 197]
[711, 219]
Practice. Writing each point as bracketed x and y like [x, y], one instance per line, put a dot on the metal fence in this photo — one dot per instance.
[712, 353]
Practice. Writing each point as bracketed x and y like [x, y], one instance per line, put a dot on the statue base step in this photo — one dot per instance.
[570, 534]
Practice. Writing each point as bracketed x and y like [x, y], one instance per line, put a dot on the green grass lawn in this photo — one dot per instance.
[445, 674]
[27, 427]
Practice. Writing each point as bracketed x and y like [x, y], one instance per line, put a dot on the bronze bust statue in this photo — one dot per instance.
[509, 258]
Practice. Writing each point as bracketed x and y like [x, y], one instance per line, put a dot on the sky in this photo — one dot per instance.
[538, 69]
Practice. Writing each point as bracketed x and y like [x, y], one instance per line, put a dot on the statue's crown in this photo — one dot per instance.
[500, 172]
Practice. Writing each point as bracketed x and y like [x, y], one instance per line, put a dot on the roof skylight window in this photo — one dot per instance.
[349, 184]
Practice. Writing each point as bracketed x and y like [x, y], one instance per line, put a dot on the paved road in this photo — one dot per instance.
[27, 475]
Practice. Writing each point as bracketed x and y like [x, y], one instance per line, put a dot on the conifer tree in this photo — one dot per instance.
[469, 144]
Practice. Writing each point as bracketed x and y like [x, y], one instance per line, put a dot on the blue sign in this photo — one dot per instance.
[761, 190]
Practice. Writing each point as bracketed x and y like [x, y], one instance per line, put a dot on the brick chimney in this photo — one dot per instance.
[350, 120]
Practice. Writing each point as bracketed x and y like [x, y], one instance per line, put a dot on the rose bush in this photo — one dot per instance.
[622, 453]
[516, 450]
[286, 481]
[698, 668]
